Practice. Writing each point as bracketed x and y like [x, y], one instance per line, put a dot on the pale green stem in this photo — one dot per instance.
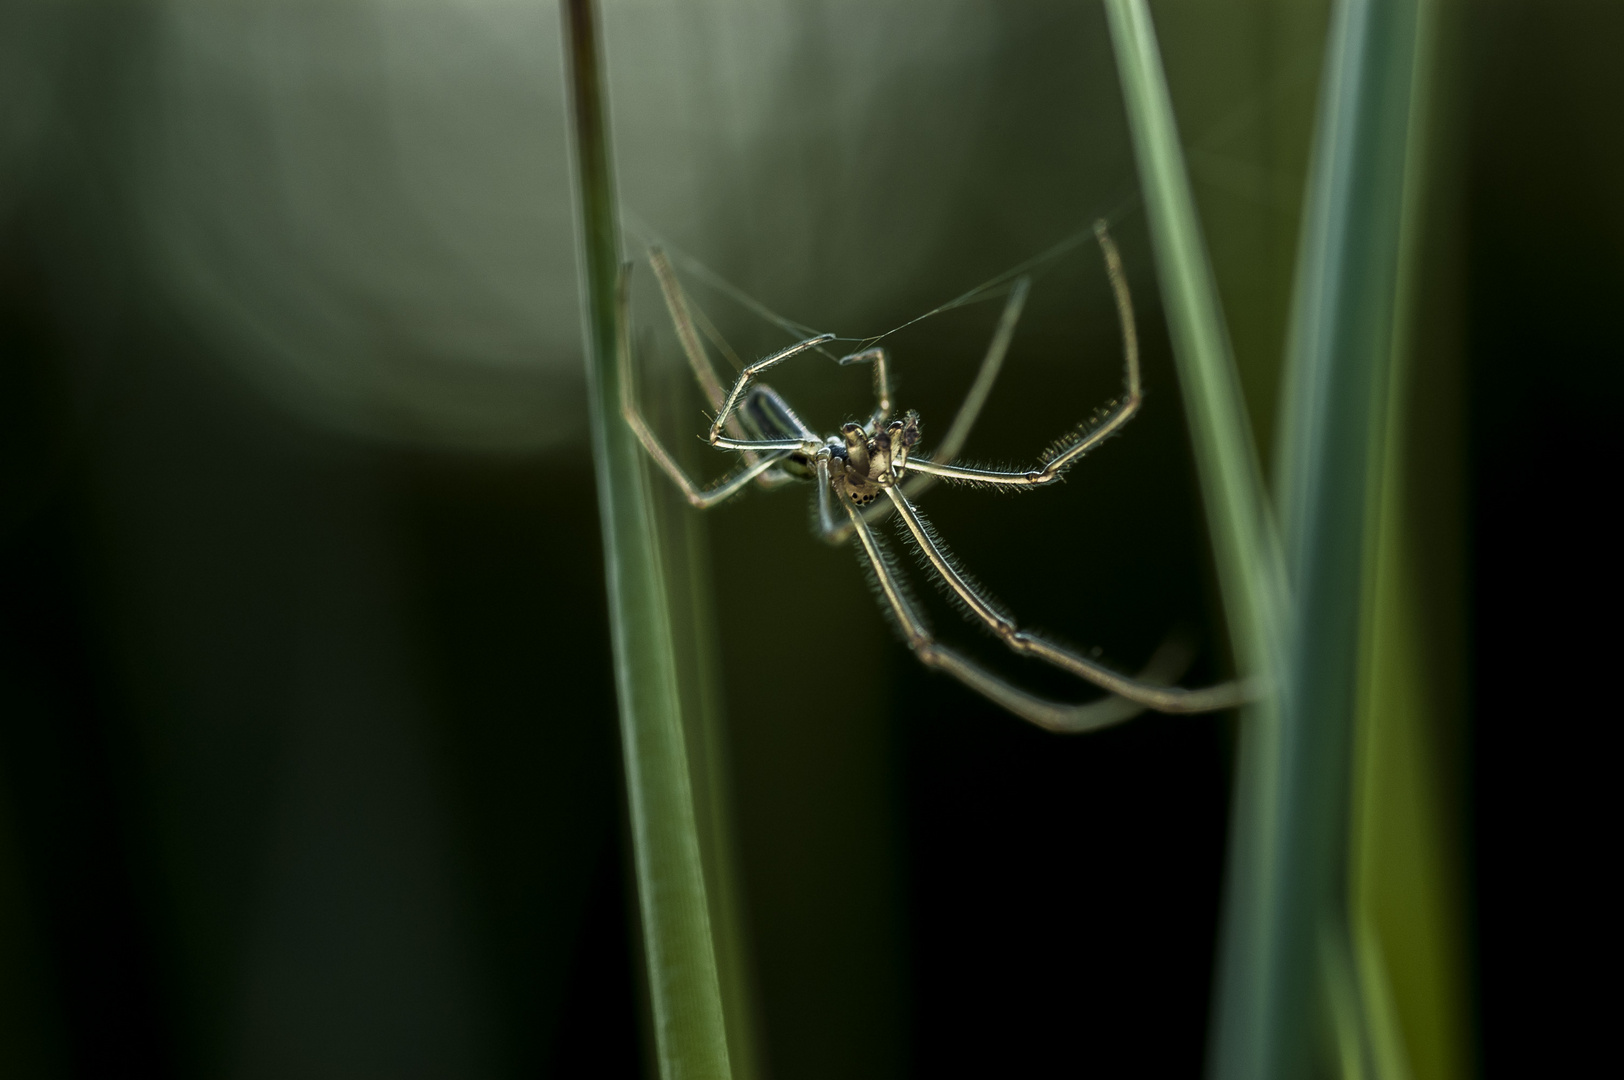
[684, 989]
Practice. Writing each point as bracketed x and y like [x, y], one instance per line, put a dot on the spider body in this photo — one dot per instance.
[870, 470]
[862, 463]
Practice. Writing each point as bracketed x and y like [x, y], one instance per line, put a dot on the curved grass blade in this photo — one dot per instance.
[671, 831]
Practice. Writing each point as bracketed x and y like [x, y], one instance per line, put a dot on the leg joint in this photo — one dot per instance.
[1022, 642]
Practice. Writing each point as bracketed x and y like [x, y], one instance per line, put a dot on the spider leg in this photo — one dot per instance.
[699, 359]
[700, 497]
[676, 303]
[970, 408]
[882, 383]
[1054, 716]
[1083, 441]
[746, 377]
[1173, 699]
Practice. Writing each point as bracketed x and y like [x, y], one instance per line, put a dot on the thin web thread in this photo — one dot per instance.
[995, 286]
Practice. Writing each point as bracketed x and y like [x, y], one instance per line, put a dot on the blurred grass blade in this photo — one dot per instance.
[1245, 549]
[685, 995]
[1406, 890]
[1338, 364]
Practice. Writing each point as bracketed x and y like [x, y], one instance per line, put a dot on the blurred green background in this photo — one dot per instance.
[308, 758]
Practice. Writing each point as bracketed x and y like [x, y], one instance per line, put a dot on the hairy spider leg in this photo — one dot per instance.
[828, 528]
[676, 304]
[1168, 663]
[970, 408]
[1084, 440]
[746, 377]
[1168, 699]
[699, 359]
[700, 497]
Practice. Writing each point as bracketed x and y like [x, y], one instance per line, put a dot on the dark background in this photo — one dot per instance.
[308, 759]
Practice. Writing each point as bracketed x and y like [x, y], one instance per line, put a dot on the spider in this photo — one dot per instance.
[874, 469]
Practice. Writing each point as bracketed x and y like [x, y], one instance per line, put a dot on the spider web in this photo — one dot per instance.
[996, 286]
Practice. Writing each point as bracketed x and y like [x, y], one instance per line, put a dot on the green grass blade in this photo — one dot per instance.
[1246, 553]
[1406, 892]
[1231, 480]
[690, 1032]
[1339, 357]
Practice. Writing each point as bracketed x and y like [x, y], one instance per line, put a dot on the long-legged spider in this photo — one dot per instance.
[872, 469]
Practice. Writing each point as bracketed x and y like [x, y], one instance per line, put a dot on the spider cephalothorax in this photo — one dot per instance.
[863, 462]
[870, 470]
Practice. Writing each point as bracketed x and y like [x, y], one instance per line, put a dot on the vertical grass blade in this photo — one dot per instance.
[1338, 363]
[1246, 552]
[1407, 892]
[690, 1033]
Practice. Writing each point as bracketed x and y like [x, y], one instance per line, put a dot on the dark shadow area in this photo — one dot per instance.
[308, 746]
[1546, 385]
